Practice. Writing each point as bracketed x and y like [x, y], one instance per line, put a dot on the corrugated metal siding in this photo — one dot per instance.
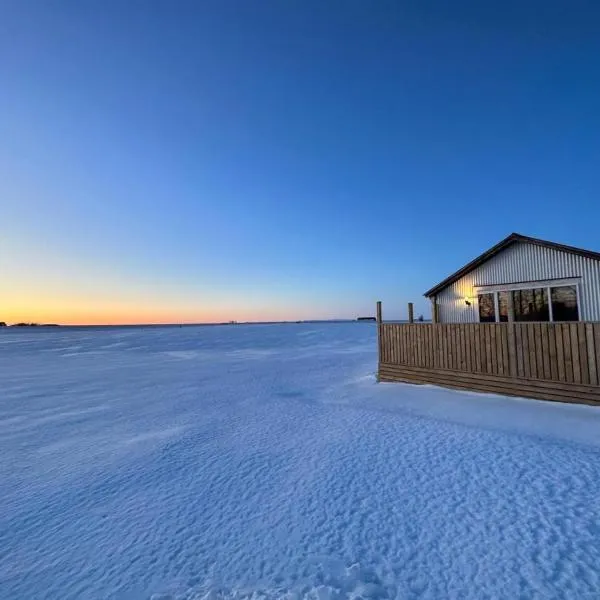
[523, 262]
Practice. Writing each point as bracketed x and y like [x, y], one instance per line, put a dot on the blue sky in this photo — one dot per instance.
[173, 161]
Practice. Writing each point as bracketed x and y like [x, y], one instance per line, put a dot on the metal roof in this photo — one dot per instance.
[513, 238]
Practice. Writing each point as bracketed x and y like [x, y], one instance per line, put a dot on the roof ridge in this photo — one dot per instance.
[499, 247]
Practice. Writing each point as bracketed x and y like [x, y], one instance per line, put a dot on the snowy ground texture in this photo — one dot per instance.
[265, 462]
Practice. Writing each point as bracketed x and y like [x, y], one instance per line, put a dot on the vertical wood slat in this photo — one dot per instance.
[456, 332]
[583, 354]
[386, 347]
[469, 338]
[450, 350]
[560, 352]
[491, 333]
[505, 357]
[505, 354]
[476, 350]
[591, 352]
[552, 351]
[525, 346]
[545, 352]
[539, 353]
[499, 350]
[519, 342]
[468, 347]
[566, 334]
[512, 350]
[466, 361]
[480, 350]
[413, 337]
[445, 347]
[461, 346]
[488, 349]
[532, 361]
[573, 333]
[596, 328]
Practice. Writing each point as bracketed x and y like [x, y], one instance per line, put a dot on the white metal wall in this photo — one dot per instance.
[523, 262]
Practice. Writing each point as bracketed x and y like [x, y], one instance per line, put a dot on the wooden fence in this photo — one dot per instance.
[551, 361]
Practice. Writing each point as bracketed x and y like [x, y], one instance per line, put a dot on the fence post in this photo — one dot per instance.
[379, 320]
[411, 313]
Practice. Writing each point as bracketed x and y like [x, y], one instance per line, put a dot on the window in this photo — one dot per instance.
[487, 311]
[531, 305]
[564, 303]
[520, 302]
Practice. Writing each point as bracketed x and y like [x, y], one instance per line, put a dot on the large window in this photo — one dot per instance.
[543, 303]
[564, 303]
[531, 305]
[487, 310]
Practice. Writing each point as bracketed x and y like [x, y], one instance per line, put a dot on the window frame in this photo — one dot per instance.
[548, 284]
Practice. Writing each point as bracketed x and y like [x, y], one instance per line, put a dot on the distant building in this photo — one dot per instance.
[522, 279]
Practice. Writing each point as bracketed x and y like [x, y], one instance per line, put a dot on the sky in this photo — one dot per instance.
[179, 162]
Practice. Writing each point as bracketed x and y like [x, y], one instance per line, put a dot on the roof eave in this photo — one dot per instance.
[501, 245]
[507, 241]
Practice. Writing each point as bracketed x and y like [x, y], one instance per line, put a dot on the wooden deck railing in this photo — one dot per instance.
[553, 361]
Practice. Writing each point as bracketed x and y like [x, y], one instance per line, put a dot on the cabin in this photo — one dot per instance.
[521, 279]
[521, 319]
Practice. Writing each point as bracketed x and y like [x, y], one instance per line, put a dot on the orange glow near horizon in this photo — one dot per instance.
[127, 313]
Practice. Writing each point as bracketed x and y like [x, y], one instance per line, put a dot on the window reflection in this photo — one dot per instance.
[487, 312]
[564, 303]
[531, 305]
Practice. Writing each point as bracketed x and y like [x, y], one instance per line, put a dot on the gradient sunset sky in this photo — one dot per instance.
[261, 160]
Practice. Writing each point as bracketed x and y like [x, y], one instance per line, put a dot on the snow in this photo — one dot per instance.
[266, 462]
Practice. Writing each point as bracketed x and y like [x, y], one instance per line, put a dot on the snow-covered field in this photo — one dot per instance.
[264, 462]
